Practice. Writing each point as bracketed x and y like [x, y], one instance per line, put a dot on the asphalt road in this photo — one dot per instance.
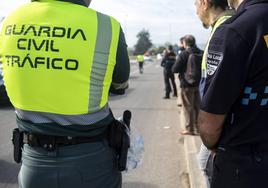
[155, 118]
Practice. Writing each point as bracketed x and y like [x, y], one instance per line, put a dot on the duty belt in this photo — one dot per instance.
[49, 142]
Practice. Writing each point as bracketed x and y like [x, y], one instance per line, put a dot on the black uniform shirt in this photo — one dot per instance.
[168, 60]
[237, 75]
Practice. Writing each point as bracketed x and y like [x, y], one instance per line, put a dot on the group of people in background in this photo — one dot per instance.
[188, 66]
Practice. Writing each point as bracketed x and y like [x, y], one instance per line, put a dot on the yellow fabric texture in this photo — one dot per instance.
[47, 53]
[140, 58]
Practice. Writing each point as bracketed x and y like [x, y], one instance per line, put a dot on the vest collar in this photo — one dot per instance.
[224, 13]
[78, 2]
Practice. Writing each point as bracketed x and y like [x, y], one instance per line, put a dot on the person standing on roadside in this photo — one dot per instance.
[181, 49]
[167, 63]
[189, 61]
[212, 13]
[233, 117]
[140, 60]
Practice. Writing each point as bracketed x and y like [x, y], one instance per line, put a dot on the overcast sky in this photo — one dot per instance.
[166, 20]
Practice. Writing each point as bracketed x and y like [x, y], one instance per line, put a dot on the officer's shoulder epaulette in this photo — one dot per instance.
[234, 17]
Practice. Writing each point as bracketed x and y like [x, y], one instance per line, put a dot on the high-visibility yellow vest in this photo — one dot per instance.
[217, 24]
[140, 58]
[58, 57]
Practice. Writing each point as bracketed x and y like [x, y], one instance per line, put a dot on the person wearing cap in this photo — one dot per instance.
[233, 116]
[212, 13]
[60, 61]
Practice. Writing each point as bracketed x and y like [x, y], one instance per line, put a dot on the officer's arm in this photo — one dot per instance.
[180, 62]
[122, 67]
[210, 128]
[163, 61]
[176, 68]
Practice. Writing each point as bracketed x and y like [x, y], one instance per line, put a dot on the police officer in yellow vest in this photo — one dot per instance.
[140, 59]
[60, 61]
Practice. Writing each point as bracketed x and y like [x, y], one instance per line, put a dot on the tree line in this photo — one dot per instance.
[144, 45]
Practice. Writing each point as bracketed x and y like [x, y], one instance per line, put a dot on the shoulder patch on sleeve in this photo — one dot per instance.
[213, 61]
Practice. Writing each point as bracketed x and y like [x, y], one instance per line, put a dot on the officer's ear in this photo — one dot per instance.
[205, 4]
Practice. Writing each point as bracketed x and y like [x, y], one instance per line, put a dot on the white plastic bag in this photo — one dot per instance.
[136, 149]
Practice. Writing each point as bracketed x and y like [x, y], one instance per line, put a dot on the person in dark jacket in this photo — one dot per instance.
[189, 92]
[167, 62]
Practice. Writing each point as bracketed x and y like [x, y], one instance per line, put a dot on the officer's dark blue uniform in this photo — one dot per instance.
[167, 62]
[237, 85]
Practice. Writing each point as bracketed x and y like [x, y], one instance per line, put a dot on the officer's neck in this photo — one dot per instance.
[214, 15]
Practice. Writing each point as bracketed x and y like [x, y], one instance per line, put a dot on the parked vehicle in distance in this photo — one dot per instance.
[148, 58]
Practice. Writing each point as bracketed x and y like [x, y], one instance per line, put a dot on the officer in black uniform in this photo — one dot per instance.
[167, 62]
[234, 110]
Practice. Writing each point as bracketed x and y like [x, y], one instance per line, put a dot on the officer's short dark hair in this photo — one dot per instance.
[189, 40]
[170, 48]
[223, 4]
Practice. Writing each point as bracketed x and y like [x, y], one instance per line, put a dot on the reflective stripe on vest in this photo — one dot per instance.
[217, 24]
[58, 57]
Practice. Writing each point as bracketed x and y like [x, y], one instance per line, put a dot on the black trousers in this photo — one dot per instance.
[140, 65]
[240, 170]
[169, 76]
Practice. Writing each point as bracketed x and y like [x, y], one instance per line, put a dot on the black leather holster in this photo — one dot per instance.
[119, 139]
